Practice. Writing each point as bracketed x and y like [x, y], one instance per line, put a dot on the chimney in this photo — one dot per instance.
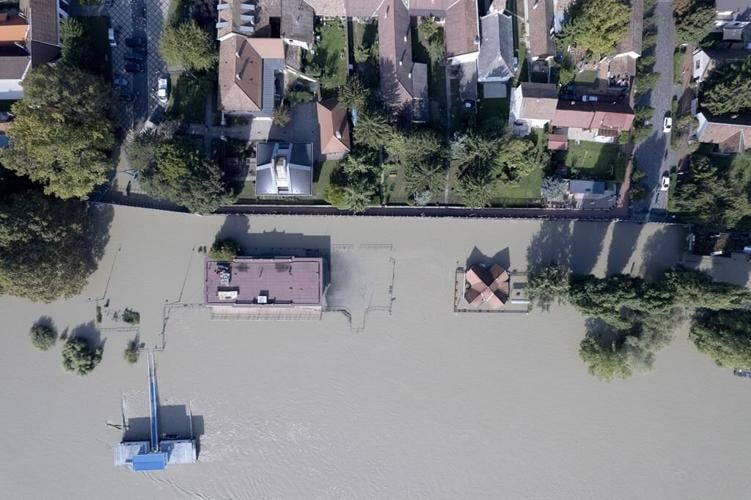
[338, 135]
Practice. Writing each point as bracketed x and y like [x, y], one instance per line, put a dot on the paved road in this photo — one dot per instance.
[651, 154]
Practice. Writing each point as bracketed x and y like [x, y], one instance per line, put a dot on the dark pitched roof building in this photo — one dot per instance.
[44, 19]
[539, 17]
[298, 19]
[496, 60]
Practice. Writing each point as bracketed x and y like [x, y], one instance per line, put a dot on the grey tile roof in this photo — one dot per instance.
[297, 21]
[496, 59]
[13, 62]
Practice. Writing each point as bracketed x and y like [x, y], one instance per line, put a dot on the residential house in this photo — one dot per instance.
[533, 105]
[405, 95]
[259, 286]
[496, 63]
[334, 129]
[707, 60]
[235, 16]
[44, 18]
[592, 121]
[621, 66]
[593, 194]
[737, 32]
[732, 10]
[538, 17]
[730, 134]
[15, 60]
[284, 169]
[251, 79]
[297, 23]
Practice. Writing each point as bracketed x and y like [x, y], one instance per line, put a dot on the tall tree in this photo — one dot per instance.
[62, 133]
[694, 19]
[595, 27]
[372, 130]
[48, 247]
[189, 46]
[728, 89]
[709, 197]
[180, 175]
[725, 336]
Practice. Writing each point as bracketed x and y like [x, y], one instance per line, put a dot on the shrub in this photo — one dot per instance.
[79, 357]
[131, 352]
[43, 337]
[131, 317]
[225, 250]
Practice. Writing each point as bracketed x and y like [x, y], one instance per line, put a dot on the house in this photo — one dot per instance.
[487, 286]
[408, 99]
[622, 65]
[334, 129]
[737, 31]
[235, 16]
[732, 10]
[532, 105]
[707, 60]
[592, 121]
[15, 62]
[264, 286]
[251, 79]
[729, 134]
[44, 17]
[496, 63]
[593, 194]
[297, 23]
[284, 169]
[538, 17]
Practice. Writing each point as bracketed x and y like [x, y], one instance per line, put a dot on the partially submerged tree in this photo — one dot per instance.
[62, 133]
[79, 357]
[224, 249]
[189, 46]
[48, 247]
[132, 352]
[180, 175]
[724, 336]
[43, 336]
[549, 285]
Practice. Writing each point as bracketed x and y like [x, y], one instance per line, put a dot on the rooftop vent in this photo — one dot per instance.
[262, 299]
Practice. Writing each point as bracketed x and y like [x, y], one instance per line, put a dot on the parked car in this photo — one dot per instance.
[667, 125]
[126, 97]
[665, 182]
[135, 41]
[589, 98]
[138, 51]
[162, 91]
[112, 37]
[742, 373]
[134, 56]
[120, 81]
[134, 67]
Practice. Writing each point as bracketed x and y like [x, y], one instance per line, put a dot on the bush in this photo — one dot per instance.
[224, 250]
[299, 96]
[132, 352]
[79, 357]
[189, 46]
[131, 317]
[43, 337]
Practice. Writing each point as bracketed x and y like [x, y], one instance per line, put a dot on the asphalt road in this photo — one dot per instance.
[654, 155]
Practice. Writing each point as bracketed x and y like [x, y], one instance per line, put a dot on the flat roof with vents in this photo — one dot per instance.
[281, 282]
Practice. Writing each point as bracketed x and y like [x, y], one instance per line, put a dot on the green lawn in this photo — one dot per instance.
[188, 98]
[322, 177]
[365, 38]
[329, 62]
[492, 114]
[586, 77]
[594, 160]
[523, 192]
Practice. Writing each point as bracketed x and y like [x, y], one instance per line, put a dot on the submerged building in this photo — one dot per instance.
[155, 454]
[265, 287]
[490, 288]
[284, 169]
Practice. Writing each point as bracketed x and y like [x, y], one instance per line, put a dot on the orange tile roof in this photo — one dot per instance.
[332, 118]
[487, 286]
[13, 29]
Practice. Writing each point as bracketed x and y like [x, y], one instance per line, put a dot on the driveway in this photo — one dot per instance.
[651, 153]
[128, 20]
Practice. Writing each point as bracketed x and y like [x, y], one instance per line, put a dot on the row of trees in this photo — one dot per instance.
[694, 19]
[629, 318]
